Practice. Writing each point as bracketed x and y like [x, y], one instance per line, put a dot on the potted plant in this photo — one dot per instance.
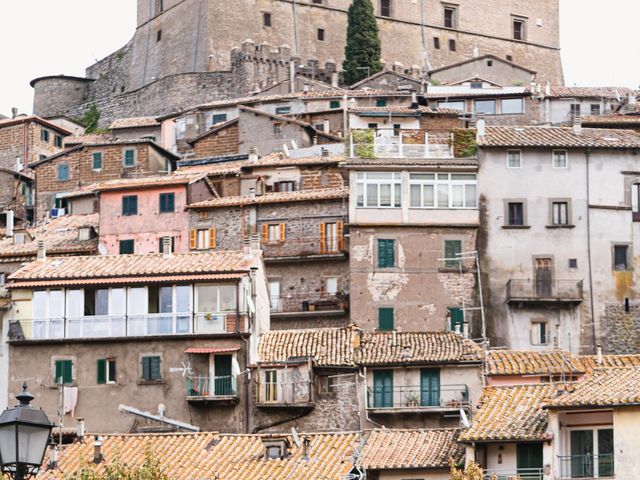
[413, 399]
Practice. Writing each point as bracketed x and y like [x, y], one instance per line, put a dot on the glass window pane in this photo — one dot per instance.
[40, 300]
[117, 307]
[485, 106]
[137, 301]
[207, 298]
[56, 304]
[429, 197]
[443, 196]
[457, 197]
[102, 301]
[385, 195]
[379, 176]
[415, 196]
[454, 105]
[227, 298]
[398, 193]
[422, 176]
[470, 197]
[512, 105]
[166, 299]
[372, 195]
[75, 303]
[183, 298]
[463, 176]
[360, 195]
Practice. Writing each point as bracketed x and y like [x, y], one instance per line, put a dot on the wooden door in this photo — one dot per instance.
[543, 277]
[430, 387]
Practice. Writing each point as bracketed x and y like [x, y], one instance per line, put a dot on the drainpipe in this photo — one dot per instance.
[366, 400]
[587, 156]
[247, 385]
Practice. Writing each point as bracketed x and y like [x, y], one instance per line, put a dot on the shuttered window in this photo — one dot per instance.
[274, 233]
[130, 205]
[151, 368]
[129, 157]
[451, 250]
[127, 247]
[202, 238]
[64, 371]
[96, 163]
[63, 172]
[386, 253]
[167, 202]
[385, 318]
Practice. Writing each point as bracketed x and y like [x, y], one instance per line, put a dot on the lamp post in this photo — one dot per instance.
[24, 433]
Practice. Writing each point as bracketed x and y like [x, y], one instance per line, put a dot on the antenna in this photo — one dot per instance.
[296, 438]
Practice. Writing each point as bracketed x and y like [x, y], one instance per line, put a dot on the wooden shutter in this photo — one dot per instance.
[283, 232]
[102, 371]
[451, 248]
[155, 368]
[146, 368]
[193, 239]
[385, 318]
[64, 369]
[59, 371]
[265, 233]
[386, 253]
[340, 227]
[323, 238]
[212, 238]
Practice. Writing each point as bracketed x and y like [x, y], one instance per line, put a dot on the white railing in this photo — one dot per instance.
[410, 144]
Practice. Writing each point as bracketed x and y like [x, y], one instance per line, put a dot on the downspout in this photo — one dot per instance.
[247, 385]
[366, 400]
[587, 156]
[295, 26]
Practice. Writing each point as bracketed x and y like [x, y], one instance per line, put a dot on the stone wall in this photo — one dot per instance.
[622, 329]
[23, 141]
[223, 142]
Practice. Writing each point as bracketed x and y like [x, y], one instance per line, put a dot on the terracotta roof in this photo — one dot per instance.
[604, 387]
[275, 197]
[279, 159]
[481, 58]
[559, 137]
[212, 350]
[511, 413]
[32, 118]
[213, 456]
[587, 92]
[385, 71]
[230, 167]
[60, 236]
[179, 178]
[108, 266]
[511, 362]
[614, 119]
[87, 138]
[214, 128]
[590, 362]
[134, 122]
[406, 449]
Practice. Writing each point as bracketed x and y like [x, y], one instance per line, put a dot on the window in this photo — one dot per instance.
[514, 159]
[159, 6]
[271, 393]
[455, 105]
[436, 43]
[151, 368]
[573, 263]
[96, 161]
[318, 2]
[509, 58]
[331, 285]
[519, 29]
[202, 239]
[515, 213]
[172, 243]
[488, 107]
[635, 201]
[476, 85]
[64, 372]
[560, 159]
[386, 253]
[57, 141]
[167, 202]
[511, 106]
[127, 247]
[372, 126]
[130, 205]
[331, 237]
[158, 36]
[218, 118]
[379, 190]
[381, 102]
[383, 388]
[283, 110]
[321, 34]
[621, 257]
[574, 110]
[3, 278]
[592, 451]
[539, 333]
[106, 370]
[44, 135]
[560, 213]
[385, 319]
[274, 233]
[63, 172]
[334, 104]
[489, 63]
[277, 129]
[385, 8]
[443, 190]
[595, 109]
[266, 19]
[216, 298]
[450, 17]
[284, 186]
[129, 157]
[452, 44]
[452, 249]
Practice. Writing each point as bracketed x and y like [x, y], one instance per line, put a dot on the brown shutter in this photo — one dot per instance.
[323, 243]
[339, 227]
[283, 232]
[193, 239]
[265, 233]
[212, 238]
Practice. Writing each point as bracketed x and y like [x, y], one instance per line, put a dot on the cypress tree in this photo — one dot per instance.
[363, 42]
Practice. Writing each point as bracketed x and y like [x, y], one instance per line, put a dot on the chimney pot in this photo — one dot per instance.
[577, 125]
[80, 429]
[14, 112]
[41, 253]
[324, 152]
[166, 246]
[481, 127]
[10, 222]
[599, 350]
[97, 450]
[253, 155]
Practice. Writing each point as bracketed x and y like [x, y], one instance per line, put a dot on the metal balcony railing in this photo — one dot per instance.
[418, 397]
[309, 302]
[384, 143]
[514, 474]
[284, 393]
[544, 291]
[104, 326]
[211, 387]
[304, 246]
[587, 466]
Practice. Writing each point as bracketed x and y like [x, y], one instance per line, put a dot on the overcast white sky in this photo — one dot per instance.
[600, 43]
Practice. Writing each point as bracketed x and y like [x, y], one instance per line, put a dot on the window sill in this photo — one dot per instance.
[516, 227]
[152, 382]
[453, 270]
[560, 226]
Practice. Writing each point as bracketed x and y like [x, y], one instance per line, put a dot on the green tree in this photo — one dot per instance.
[116, 469]
[362, 53]
[90, 119]
[471, 472]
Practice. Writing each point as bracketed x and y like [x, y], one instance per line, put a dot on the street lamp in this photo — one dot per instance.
[24, 433]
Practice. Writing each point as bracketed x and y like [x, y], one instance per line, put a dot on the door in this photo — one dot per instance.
[543, 277]
[274, 294]
[383, 389]
[582, 453]
[457, 318]
[605, 453]
[430, 387]
[222, 384]
[529, 460]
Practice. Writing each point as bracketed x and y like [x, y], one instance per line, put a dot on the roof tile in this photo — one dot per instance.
[559, 137]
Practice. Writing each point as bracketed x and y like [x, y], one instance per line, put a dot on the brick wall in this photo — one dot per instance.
[314, 178]
[23, 140]
[222, 142]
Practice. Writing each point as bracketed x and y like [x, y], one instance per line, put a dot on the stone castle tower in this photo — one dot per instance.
[194, 50]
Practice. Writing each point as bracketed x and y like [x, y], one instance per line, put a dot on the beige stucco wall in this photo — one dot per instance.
[626, 425]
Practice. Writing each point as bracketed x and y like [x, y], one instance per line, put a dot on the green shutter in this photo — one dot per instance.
[385, 318]
[334, 104]
[129, 158]
[383, 388]
[167, 202]
[64, 370]
[146, 368]
[97, 161]
[155, 368]
[386, 253]
[430, 387]
[451, 248]
[381, 102]
[457, 318]
[102, 371]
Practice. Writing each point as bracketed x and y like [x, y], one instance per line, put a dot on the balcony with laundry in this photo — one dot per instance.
[213, 376]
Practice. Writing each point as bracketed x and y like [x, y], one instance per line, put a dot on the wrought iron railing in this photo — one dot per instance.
[534, 290]
[304, 246]
[587, 466]
[418, 397]
[514, 474]
[308, 302]
[211, 387]
[284, 393]
[401, 144]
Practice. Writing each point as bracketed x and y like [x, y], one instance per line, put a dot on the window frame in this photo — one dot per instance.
[123, 243]
[163, 207]
[63, 167]
[57, 140]
[217, 118]
[538, 328]
[566, 159]
[452, 45]
[552, 212]
[267, 20]
[395, 189]
[515, 19]
[485, 100]
[450, 183]
[45, 135]
[627, 266]
[151, 378]
[380, 264]
[436, 43]
[507, 217]
[95, 155]
[386, 310]
[502, 103]
[454, 16]
[320, 34]
[452, 264]
[124, 157]
[63, 361]
[386, 6]
[127, 210]
[508, 159]
[283, 110]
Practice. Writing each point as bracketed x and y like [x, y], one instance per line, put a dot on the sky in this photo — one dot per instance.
[599, 41]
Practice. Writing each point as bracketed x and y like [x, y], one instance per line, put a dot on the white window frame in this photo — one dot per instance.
[394, 182]
[205, 234]
[218, 309]
[566, 159]
[557, 219]
[519, 155]
[108, 362]
[450, 183]
[535, 333]
[502, 102]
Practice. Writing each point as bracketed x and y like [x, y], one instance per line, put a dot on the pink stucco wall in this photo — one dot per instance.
[148, 225]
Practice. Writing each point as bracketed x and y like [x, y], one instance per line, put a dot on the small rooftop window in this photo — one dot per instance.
[275, 447]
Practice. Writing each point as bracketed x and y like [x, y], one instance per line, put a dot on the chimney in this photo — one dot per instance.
[166, 246]
[292, 76]
[414, 100]
[254, 243]
[53, 458]
[547, 89]
[10, 222]
[14, 112]
[599, 350]
[481, 125]
[97, 450]
[80, 430]
[334, 79]
[577, 125]
[42, 252]
[306, 447]
[246, 248]
[253, 155]
[457, 329]
[394, 338]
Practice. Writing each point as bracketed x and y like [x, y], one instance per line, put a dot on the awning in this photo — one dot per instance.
[212, 350]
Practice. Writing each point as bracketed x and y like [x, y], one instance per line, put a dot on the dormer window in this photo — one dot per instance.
[275, 448]
[85, 233]
[19, 238]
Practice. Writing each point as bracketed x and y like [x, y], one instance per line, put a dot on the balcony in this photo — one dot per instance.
[284, 394]
[587, 466]
[305, 249]
[159, 324]
[416, 399]
[383, 143]
[212, 390]
[309, 305]
[535, 292]
[514, 474]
